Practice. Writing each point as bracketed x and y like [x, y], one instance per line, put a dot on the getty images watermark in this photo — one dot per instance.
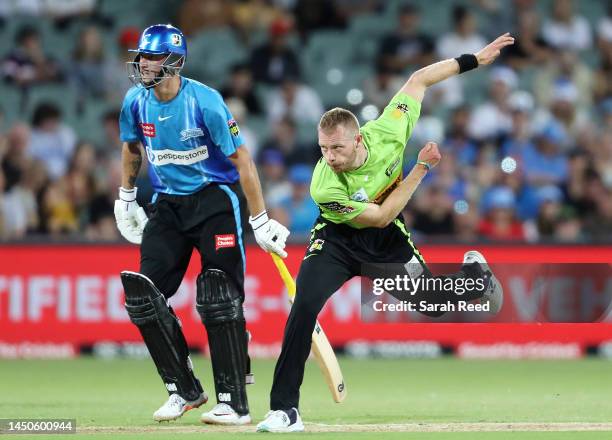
[390, 291]
[526, 292]
[429, 294]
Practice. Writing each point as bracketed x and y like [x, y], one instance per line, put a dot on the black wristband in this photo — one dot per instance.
[467, 61]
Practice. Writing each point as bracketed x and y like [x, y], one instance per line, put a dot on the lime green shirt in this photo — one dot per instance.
[343, 196]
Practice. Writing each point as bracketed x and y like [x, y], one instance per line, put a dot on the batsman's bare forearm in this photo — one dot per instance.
[131, 160]
[249, 180]
[379, 216]
[428, 76]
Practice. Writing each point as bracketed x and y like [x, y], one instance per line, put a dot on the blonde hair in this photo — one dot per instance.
[338, 116]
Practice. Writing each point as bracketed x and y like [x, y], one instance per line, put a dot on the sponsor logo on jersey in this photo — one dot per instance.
[360, 196]
[233, 127]
[176, 157]
[316, 245]
[189, 133]
[337, 207]
[225, 241]
[399, 109]
[392, 166]
[148, 130]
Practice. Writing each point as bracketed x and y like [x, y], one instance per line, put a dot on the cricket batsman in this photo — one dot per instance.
[358, 187]
[199, 169]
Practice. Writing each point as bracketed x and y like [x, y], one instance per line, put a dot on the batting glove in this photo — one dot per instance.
[130, 217]
[269, 234]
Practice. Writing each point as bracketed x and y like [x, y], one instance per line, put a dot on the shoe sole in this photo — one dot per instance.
[493, 280]
[299, 428]
[501, 294]
[189, 406]
[218, 422]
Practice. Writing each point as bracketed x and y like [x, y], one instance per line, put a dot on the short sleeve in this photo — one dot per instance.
[396, 123]
[128, 132]
[222, 126]
[336, 206]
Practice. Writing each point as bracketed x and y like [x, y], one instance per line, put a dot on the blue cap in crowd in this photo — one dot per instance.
[300, 174]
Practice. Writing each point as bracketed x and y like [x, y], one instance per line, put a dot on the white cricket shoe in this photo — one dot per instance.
[279, 421]
[494, 293]
[223, 414]
[176, 406]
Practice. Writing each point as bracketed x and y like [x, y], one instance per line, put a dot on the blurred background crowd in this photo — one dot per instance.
[526, 144]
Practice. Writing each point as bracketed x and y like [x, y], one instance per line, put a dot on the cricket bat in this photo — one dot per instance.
[321, 348]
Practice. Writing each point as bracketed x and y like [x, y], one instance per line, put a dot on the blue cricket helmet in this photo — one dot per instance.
[159, 39]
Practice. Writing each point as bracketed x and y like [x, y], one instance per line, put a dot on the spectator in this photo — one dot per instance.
[272, 169]
[564, 69]
[465, 225]
[58, 212]
[196, 15]
[575, 188]
[27, 64]
[18, 209]
[284, 140]
[66, 12]
[240, 86]
[298, 211]
[604, 27]
[115, 76]
[51, 141]
[380, 88]
[458, 139]
[500, 222]
[275, 60]
[433, 214]
[544, 163]
[88, 63]
[529, 47]
[493, 119]
[565, 112]
[603, 74]
[312, 15]
[14, 154]
[602, 158]
[252, 16]
[569, 228]
[464, 38]
[550, 205]
[110, 126]
[295, 100]
[519, 138]
[599, 225]
[565, 30]
[406, 46]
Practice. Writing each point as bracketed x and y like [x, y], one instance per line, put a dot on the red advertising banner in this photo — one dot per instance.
[72, 294]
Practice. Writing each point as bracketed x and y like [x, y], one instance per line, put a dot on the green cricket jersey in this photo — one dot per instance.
[343, 196]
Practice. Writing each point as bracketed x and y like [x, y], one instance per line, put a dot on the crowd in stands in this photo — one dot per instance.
[526, 146]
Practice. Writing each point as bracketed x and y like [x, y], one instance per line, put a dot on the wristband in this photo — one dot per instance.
[425, 164]
[259, 220]
[127, 195]
[467, 61]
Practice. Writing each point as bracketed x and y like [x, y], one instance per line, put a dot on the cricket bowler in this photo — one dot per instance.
[358, 187]
[199, 168]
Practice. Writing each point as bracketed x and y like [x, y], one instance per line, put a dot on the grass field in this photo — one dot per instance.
[417, 399]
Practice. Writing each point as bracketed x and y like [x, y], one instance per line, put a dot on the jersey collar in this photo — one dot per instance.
[158, 102]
